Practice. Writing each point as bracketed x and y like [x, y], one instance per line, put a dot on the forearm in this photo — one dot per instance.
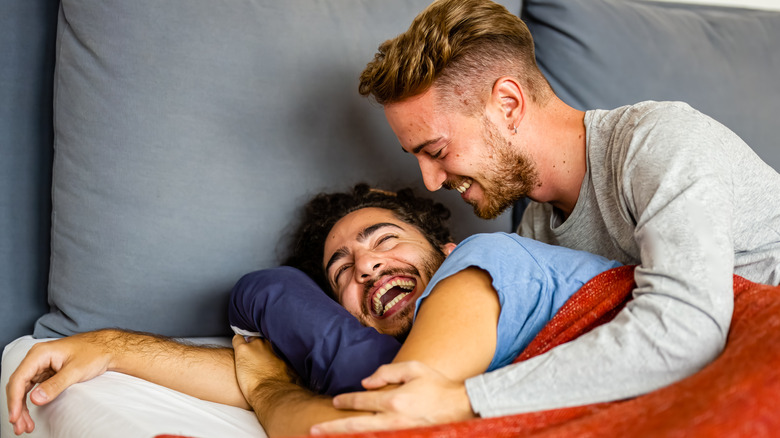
[207, 373]
[287, 409]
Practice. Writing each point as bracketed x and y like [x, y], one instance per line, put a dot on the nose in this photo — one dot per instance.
[367, 266]
[432, 173]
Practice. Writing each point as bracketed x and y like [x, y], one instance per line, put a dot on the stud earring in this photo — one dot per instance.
[514, 128]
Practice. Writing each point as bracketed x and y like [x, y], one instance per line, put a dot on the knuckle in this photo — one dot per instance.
[396, 403]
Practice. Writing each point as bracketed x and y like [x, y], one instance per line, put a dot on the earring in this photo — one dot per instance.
[514, 128]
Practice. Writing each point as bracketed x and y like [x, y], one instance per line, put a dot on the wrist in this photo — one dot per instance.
[464, 408]
[273, 400]
[121, 349]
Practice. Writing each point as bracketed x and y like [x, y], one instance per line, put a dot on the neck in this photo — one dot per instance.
[560, 155]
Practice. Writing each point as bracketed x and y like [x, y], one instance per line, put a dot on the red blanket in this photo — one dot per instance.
[738, 394]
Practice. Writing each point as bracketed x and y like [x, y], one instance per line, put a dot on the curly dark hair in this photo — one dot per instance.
[324, 210]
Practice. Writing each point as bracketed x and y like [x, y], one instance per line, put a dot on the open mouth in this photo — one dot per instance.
[390, 294]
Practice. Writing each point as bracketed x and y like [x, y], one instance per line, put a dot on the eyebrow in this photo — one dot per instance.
[364, 234]
[419, 147]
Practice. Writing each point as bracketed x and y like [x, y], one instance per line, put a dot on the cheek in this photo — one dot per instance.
[350, 300]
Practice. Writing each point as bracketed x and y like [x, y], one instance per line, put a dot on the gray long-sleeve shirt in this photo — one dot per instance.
[685, 198]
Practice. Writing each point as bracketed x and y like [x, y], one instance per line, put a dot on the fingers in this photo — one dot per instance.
[237, 341]
[395, 373]
[24, 424]
[361, 401]
[52, 387]
[30, 371]
[34, 368]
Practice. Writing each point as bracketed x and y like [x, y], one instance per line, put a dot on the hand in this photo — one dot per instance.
[424, 397]
[256, 363]
[54, 366]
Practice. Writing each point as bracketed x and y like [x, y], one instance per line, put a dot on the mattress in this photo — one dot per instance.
[119, 405]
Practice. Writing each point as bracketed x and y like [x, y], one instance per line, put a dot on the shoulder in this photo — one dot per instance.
[655, 136]
[650, 121]
[496, 253]
[479, 245]
[643, 112]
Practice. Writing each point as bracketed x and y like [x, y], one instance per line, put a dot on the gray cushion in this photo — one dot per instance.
[27, 35]
[187, 137]
[723, 61]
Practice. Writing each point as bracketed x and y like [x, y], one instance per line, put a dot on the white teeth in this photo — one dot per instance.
[377, 301]
[463, 187]
[395, 301]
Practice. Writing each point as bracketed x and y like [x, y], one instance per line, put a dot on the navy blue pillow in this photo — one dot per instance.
[327, 346]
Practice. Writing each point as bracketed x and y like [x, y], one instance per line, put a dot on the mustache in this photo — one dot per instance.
[367, 286]
[451, 185]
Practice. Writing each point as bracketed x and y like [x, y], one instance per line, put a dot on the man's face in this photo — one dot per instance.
[466, 153]
[378, 266]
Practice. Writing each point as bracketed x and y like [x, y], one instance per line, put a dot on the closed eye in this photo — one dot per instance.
[384, 239]
[343, 268]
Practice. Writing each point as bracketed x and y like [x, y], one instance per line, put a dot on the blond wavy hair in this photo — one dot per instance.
[461, 47]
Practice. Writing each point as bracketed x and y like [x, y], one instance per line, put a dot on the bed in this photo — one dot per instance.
[154, 152]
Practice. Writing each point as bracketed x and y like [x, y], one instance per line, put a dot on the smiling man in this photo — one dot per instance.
[655, 184]
[383, 255]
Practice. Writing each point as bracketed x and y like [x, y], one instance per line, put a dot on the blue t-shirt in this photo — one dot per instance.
[532, 279]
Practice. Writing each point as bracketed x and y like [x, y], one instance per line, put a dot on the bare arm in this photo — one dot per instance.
[203, 372]
[281, 404]
[455, 329]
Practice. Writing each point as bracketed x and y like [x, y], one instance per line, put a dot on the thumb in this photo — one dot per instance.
[52, 387]
[238, 340]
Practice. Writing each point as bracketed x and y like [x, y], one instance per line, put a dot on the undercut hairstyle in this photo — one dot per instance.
[460, 47]
[324, 210]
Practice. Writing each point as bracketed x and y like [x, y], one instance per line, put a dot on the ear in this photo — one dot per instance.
[447, 248]
[507, 103]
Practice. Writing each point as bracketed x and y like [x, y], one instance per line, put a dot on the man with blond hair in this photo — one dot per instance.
[656, 184]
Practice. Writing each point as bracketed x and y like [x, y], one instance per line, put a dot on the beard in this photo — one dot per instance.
[430, 262]
[512, 176]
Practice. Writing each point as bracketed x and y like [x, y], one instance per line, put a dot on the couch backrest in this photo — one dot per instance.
[187, 136]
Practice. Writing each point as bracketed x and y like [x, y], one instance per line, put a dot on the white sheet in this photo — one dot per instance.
[119, 406]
